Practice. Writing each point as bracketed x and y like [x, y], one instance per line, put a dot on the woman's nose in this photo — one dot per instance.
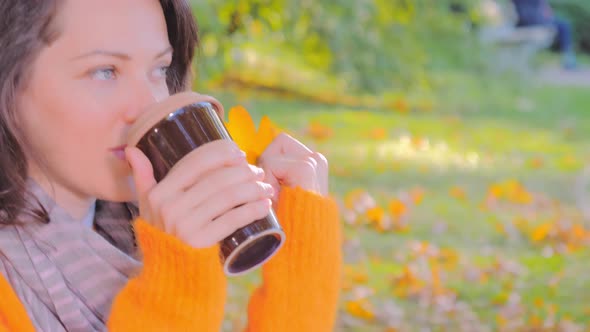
[144, 95]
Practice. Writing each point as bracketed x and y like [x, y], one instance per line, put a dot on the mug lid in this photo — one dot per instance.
[156, 112]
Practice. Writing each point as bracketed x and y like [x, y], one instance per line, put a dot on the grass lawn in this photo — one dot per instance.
[459, 218]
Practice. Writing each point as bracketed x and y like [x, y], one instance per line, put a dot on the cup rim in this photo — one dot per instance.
[272, 231]
[156, 112]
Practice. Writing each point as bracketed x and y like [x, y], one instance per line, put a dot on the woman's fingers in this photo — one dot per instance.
[322, 173]
[228, 223]
[289, 162]
[214, 209]
[227, 179]
[286, 145]
[194, 165]
[281, 171]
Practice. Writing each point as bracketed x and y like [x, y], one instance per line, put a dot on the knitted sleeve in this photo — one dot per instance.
[301, 283]
[179, 288]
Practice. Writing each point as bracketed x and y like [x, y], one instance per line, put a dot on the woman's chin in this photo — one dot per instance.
[121, 191]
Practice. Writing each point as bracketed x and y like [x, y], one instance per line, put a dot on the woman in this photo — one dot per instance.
[74, 76]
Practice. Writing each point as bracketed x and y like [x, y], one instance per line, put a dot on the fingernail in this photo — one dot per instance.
[267, 204]
[259, 172]
[239, 155]
[270, 191]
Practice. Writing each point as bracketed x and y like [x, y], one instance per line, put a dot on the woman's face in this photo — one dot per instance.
[87, 88]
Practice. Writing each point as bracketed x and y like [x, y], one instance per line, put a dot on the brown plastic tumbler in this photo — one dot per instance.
[172, 128]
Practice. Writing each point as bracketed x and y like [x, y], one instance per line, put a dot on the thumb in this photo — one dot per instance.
[143, 177]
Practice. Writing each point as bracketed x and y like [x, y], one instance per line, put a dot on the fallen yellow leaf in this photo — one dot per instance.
[375, 215]
[458, 193]
[449, 258]
[319, 131]
[352, 197]
[541, 232]
[407, 284]
[536, 163]
[496, 191]
[360, 309]
[535, 321]
[356, 274]
[397, 208]
[417, 195]
[243, 131]
[378, 134]
[401, 105]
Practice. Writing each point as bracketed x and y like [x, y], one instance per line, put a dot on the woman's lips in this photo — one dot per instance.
[119, 152]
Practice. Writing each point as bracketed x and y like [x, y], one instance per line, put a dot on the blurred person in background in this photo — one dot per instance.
[539, 12]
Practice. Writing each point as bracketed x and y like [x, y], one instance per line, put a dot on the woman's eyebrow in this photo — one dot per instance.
[119, 55]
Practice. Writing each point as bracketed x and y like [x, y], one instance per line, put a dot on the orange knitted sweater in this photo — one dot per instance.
[184, 289]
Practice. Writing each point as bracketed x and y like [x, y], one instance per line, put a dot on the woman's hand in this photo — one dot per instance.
[205, 197]
[287, 162]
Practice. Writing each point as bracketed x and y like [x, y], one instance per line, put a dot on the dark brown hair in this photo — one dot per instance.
[26, 27]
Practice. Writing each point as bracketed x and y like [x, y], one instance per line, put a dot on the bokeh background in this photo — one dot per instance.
[458, 151]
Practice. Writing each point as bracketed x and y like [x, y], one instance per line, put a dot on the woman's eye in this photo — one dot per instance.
[104, 74]
[162, 72]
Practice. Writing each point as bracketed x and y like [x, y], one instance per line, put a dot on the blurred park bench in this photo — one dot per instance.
[514, 46]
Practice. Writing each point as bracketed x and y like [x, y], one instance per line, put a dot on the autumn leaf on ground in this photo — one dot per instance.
[458, 193]
[536, 163]
[510, 190]
[377, 134]
[407, 284]
[356, 274]
[359, 200]
[541, 232]
[397, 208]
[496, 191]
[399, 212]
[417, 195]
[449, 258]
[360, 309]
[401, 105]
[319, 131]
[515, 192]
[378, 219]
[375, 215]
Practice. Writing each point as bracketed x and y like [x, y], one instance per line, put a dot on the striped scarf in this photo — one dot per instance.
[65, 273]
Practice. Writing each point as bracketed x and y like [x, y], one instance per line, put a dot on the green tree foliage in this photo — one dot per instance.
[363, 46]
